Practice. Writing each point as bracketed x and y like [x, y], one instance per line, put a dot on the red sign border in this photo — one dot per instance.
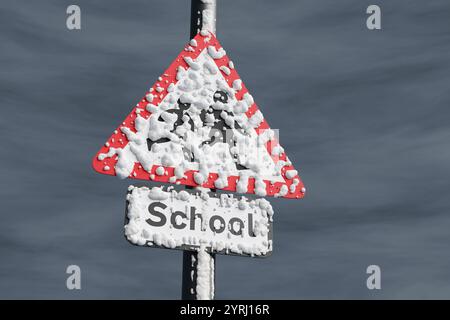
[119, 139]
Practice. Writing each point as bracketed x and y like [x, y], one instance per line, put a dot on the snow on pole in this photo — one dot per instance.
[199, 268]
[205, 274]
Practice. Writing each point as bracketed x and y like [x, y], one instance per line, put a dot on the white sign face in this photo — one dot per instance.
[199, 126]
[188, 219]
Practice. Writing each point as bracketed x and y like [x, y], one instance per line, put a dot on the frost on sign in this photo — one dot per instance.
[199, 126]
[189, 220]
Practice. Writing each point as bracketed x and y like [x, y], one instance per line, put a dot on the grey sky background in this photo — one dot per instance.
[363, 114]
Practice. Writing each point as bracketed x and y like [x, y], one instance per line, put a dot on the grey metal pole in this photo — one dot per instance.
[203, 18]
[189, 284]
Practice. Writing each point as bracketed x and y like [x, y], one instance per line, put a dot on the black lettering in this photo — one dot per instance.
[162, 218]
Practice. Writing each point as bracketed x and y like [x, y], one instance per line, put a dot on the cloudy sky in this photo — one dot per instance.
[363, 114]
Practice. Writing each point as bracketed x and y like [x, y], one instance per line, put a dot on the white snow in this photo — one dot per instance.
[225, 70]
[283, 191]
[160, 171]
[193, 43]
[156, 193]
[277, 150]
[260, 187]
[183, 195]
[256, 119]
[208, 18]
[191, 63]
[216, 54]
[293, 186]
[149, 97]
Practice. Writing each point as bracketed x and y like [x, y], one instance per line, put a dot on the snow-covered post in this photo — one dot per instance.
[198, 275]
[199, 268]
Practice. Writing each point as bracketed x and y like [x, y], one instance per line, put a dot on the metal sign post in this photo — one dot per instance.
[203, 17]
[189, 290]
[198, 126]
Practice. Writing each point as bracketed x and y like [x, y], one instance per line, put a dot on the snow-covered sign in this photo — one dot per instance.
[199, 126]
[190, 220]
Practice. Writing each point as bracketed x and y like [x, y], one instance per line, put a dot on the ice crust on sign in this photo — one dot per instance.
[199, 126]
[183, 131]
[222, 224]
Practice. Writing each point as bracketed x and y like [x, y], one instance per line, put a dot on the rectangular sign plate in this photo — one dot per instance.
[166, 218]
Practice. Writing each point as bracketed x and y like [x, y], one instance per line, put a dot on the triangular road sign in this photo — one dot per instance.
[199, 126]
